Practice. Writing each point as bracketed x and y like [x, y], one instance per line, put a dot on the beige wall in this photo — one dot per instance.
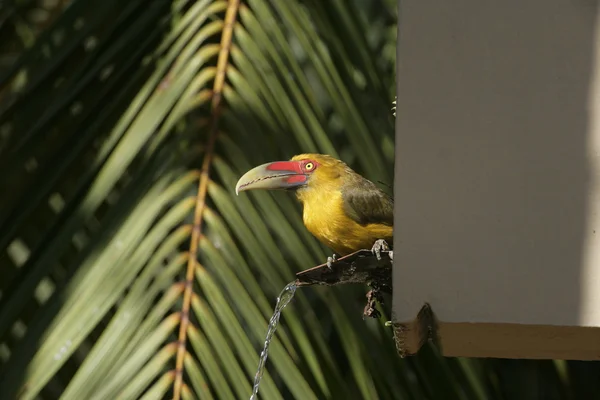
[497, 214]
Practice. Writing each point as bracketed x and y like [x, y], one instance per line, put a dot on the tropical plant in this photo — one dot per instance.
[130, 268]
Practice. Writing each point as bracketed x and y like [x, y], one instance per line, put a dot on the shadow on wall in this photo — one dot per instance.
[492, 174]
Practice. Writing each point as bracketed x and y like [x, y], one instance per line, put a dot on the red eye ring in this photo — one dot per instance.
[309, 166]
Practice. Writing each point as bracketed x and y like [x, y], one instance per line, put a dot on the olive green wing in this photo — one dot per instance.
[365, 203]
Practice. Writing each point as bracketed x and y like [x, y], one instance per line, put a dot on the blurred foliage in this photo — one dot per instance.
[123, 129]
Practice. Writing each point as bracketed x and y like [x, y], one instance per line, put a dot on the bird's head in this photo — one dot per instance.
[303, 171]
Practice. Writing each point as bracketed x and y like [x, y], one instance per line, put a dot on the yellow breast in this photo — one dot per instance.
[325, 218]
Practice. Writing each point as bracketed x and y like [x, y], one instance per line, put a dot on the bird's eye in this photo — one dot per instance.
[309, 166]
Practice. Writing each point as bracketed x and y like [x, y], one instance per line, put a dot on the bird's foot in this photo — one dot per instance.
[379, 246]
[331, 260]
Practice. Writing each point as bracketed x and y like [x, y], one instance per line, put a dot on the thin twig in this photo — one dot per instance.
[230, 18]
[359, 267]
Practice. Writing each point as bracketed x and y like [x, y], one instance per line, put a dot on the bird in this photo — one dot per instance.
[342, 209]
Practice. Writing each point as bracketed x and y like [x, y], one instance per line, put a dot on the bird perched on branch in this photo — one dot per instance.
[343, 210]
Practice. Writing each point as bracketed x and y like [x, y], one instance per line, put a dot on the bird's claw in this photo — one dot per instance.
[331, 260]
[379, 246]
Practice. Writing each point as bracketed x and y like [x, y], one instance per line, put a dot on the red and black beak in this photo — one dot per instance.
[271, 176]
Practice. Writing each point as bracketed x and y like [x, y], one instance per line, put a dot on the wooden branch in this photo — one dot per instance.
[359, 267]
